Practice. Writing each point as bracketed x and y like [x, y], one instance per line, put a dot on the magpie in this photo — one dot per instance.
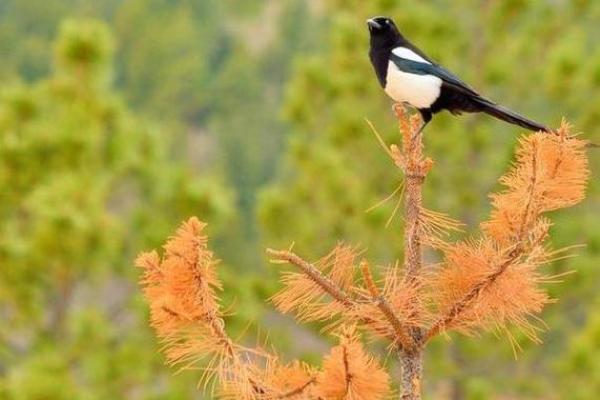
[407, 75]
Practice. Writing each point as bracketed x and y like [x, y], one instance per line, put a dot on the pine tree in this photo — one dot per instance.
[493, 282]
[84, 182]
[323, 191]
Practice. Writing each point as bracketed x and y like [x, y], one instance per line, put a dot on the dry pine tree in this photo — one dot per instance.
[491, 282]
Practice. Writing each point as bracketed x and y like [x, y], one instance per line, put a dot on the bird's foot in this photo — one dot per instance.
[400, 108]
[418, 132]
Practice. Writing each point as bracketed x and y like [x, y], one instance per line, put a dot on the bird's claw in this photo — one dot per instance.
[417, 133]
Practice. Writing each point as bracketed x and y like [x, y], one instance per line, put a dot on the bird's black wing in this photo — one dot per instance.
[463, 97]
[421, 68]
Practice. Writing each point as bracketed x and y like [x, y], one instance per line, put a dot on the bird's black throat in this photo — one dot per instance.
[380, 59]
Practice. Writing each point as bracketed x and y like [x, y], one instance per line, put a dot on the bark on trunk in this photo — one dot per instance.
[412, 375]
[415, 167]
[412, 363]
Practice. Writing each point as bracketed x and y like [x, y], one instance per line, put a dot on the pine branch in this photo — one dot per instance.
[403, 337]
[551, 172]
[299, 390]
[457, 309]
[186, 315]
[399, 332]
[313, 273]
[349, 372]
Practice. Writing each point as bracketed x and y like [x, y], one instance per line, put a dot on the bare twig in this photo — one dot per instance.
[298, 390]
[369, 282]
[347, 369]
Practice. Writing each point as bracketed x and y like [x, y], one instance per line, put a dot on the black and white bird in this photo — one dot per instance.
[408, 76]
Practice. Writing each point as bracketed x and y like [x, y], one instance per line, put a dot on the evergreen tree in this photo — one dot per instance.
[85, 183]
[334, 165]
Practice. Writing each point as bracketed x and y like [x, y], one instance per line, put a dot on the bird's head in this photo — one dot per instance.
[383, 31]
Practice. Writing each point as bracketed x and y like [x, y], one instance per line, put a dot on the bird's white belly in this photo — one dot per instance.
[420, 91]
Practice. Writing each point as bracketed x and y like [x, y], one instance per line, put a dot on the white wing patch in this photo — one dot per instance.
[408, 54]
[420, 91]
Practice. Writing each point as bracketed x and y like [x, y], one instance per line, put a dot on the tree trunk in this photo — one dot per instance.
[412, 374]
[412, 362]
[415, 167]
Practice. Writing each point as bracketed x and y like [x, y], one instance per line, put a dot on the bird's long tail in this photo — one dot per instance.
[509, 116]
[512, 117]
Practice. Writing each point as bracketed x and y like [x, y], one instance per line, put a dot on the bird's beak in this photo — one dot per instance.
[373, 24]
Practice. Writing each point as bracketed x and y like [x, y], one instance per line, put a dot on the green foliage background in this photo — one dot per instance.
[118, 119]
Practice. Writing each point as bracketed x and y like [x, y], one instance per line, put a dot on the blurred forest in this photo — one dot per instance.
[118, 119]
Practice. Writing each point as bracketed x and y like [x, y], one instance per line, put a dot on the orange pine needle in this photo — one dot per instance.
[350, 373]
[495, 281]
